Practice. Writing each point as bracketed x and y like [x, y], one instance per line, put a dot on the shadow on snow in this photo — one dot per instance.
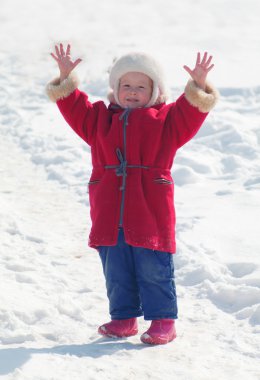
[12, 358]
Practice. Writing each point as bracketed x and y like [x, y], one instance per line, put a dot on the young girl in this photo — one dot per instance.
[133, 143]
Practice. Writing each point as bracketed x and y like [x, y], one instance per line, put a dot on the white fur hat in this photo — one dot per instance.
[142, 63]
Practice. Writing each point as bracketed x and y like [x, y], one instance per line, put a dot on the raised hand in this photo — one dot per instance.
[201, 69]
[65, 63]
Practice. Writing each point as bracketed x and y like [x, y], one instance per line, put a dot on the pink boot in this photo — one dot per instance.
[161, 331]
[119, 328]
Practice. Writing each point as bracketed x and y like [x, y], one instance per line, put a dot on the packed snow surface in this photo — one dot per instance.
[52, 292]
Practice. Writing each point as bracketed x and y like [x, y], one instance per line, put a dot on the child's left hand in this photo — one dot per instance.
[201, 69]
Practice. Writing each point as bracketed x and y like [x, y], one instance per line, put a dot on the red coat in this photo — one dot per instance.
[139, 190]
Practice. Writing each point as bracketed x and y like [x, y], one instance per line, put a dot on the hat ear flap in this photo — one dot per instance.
[111, 97]
[116, 90]
[155, 95]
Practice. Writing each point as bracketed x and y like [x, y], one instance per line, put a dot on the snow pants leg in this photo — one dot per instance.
[139, 281]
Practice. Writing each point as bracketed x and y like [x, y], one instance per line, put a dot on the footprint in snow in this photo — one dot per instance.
[239, 270]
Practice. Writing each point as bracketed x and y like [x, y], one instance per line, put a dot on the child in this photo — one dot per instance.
[133, 143]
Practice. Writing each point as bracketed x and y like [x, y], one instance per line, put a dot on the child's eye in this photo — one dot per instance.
[142, 87]
[126, 86]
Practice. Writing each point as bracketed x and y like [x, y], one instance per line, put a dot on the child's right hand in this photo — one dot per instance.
[65, 63]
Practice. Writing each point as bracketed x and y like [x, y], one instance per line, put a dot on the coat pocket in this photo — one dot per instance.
[93, 182]
[162, 177]
[96, 176]
[95, 179]
[163, 181]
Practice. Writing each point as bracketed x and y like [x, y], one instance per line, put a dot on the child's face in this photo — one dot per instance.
[135, 90]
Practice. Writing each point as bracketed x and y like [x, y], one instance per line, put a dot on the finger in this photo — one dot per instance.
[209, 60]
[210, 68]
[57, 51]
[204, 59]
[62, 50]
[54, 56]
[68, 50]
[187, 69]
[76, 62]
[198, 59]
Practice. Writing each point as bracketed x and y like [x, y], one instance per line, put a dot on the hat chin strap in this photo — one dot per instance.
[154, 97]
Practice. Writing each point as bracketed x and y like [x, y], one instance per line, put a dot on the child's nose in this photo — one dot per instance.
[132, 90]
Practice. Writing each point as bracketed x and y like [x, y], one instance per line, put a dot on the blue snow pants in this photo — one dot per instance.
[139, 281]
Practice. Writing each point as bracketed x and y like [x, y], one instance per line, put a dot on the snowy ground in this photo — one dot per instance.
[52, 295]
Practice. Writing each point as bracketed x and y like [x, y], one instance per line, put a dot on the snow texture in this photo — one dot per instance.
[52, 293]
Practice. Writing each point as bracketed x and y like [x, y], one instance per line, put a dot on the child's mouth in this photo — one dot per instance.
[132, 100]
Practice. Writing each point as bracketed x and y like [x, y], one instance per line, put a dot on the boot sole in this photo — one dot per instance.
[111, 334]
[147, 339]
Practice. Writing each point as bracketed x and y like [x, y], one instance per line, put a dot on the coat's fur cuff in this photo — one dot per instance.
[56, 90]
[203, 100]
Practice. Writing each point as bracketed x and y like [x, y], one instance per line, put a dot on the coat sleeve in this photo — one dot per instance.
[75, 107]
[190, 110]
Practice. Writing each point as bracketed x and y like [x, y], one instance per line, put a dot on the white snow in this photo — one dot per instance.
[52, 293]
